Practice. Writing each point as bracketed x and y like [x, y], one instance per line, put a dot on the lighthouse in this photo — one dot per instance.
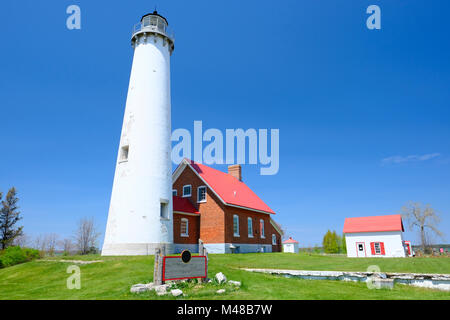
[140, 213]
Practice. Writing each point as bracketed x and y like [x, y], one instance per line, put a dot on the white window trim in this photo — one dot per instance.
[174, 192]
[274, 237]
[250, 223]
[187, 228]
[263, 230]
[198, 194]
[187, 195]
[234, 233]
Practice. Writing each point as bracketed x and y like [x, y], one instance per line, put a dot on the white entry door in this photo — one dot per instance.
[360, 249]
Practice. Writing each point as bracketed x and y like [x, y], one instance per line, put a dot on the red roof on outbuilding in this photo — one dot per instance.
[290, 240]
[229, 189]
[183, 205]
[374, 224]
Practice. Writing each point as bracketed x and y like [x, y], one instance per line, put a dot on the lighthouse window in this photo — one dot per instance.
[187, 190]
[201, 194]
[184, 227]
[164, 210]
[124, 153]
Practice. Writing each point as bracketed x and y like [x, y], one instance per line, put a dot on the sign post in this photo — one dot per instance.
[158, 266]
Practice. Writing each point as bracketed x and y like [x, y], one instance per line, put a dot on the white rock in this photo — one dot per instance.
[220, 277]
[235, 283]
[176, 292]
[220, 291]
[138, 288]
[161, 289]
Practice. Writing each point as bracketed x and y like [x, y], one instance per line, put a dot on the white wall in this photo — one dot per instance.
[393, 243]
[290, 247]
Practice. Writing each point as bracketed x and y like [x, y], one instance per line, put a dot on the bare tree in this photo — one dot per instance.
[86, 235]
[22, 241]
[67, 246]
[40, 243]
[424, 219]
[51, 242]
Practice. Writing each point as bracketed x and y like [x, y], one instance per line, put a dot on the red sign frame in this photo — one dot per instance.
[179, 257]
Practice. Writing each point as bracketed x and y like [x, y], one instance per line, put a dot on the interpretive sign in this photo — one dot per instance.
[175, 267]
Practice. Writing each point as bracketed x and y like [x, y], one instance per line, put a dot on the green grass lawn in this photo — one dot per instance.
[112, 278]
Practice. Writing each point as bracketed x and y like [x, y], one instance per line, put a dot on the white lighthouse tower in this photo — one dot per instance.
[140, 212]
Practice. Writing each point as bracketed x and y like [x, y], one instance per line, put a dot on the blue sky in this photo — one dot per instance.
[343, 97]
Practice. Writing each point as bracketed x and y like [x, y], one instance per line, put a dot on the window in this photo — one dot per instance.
[274, 240]
[174, 192]
[201, 194]
[124, 153]
[377, 248]
[164, 212]
[261, 227]
[187, 190]
[250, 227]
[236, 225]
[184, 227]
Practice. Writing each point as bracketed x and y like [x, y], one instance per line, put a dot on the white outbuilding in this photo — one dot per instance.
[290, 245]
[376, 236]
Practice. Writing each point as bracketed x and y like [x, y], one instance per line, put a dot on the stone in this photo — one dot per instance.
[221, 278]
[220, 291]
[138, 288]
[235, 283]
[176, 292]
[381, 283]
[161, 289]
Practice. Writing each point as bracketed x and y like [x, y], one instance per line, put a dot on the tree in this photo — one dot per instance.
[425, 220]
[9, 216]
[67, 246]
[86, 236]
[330, 242]
[40, 243]
[22, 241]
[343, 248]
[51, 242]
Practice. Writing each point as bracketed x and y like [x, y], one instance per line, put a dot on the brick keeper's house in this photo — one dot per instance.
[221, 210]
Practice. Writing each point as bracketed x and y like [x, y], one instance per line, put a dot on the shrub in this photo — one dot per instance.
[15, 255]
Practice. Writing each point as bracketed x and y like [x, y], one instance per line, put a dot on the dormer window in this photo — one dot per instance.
[187, 190]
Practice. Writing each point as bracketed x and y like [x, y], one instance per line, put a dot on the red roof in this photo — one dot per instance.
[290, 240]
[229, 189]
[374, 224]
[183, 205]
